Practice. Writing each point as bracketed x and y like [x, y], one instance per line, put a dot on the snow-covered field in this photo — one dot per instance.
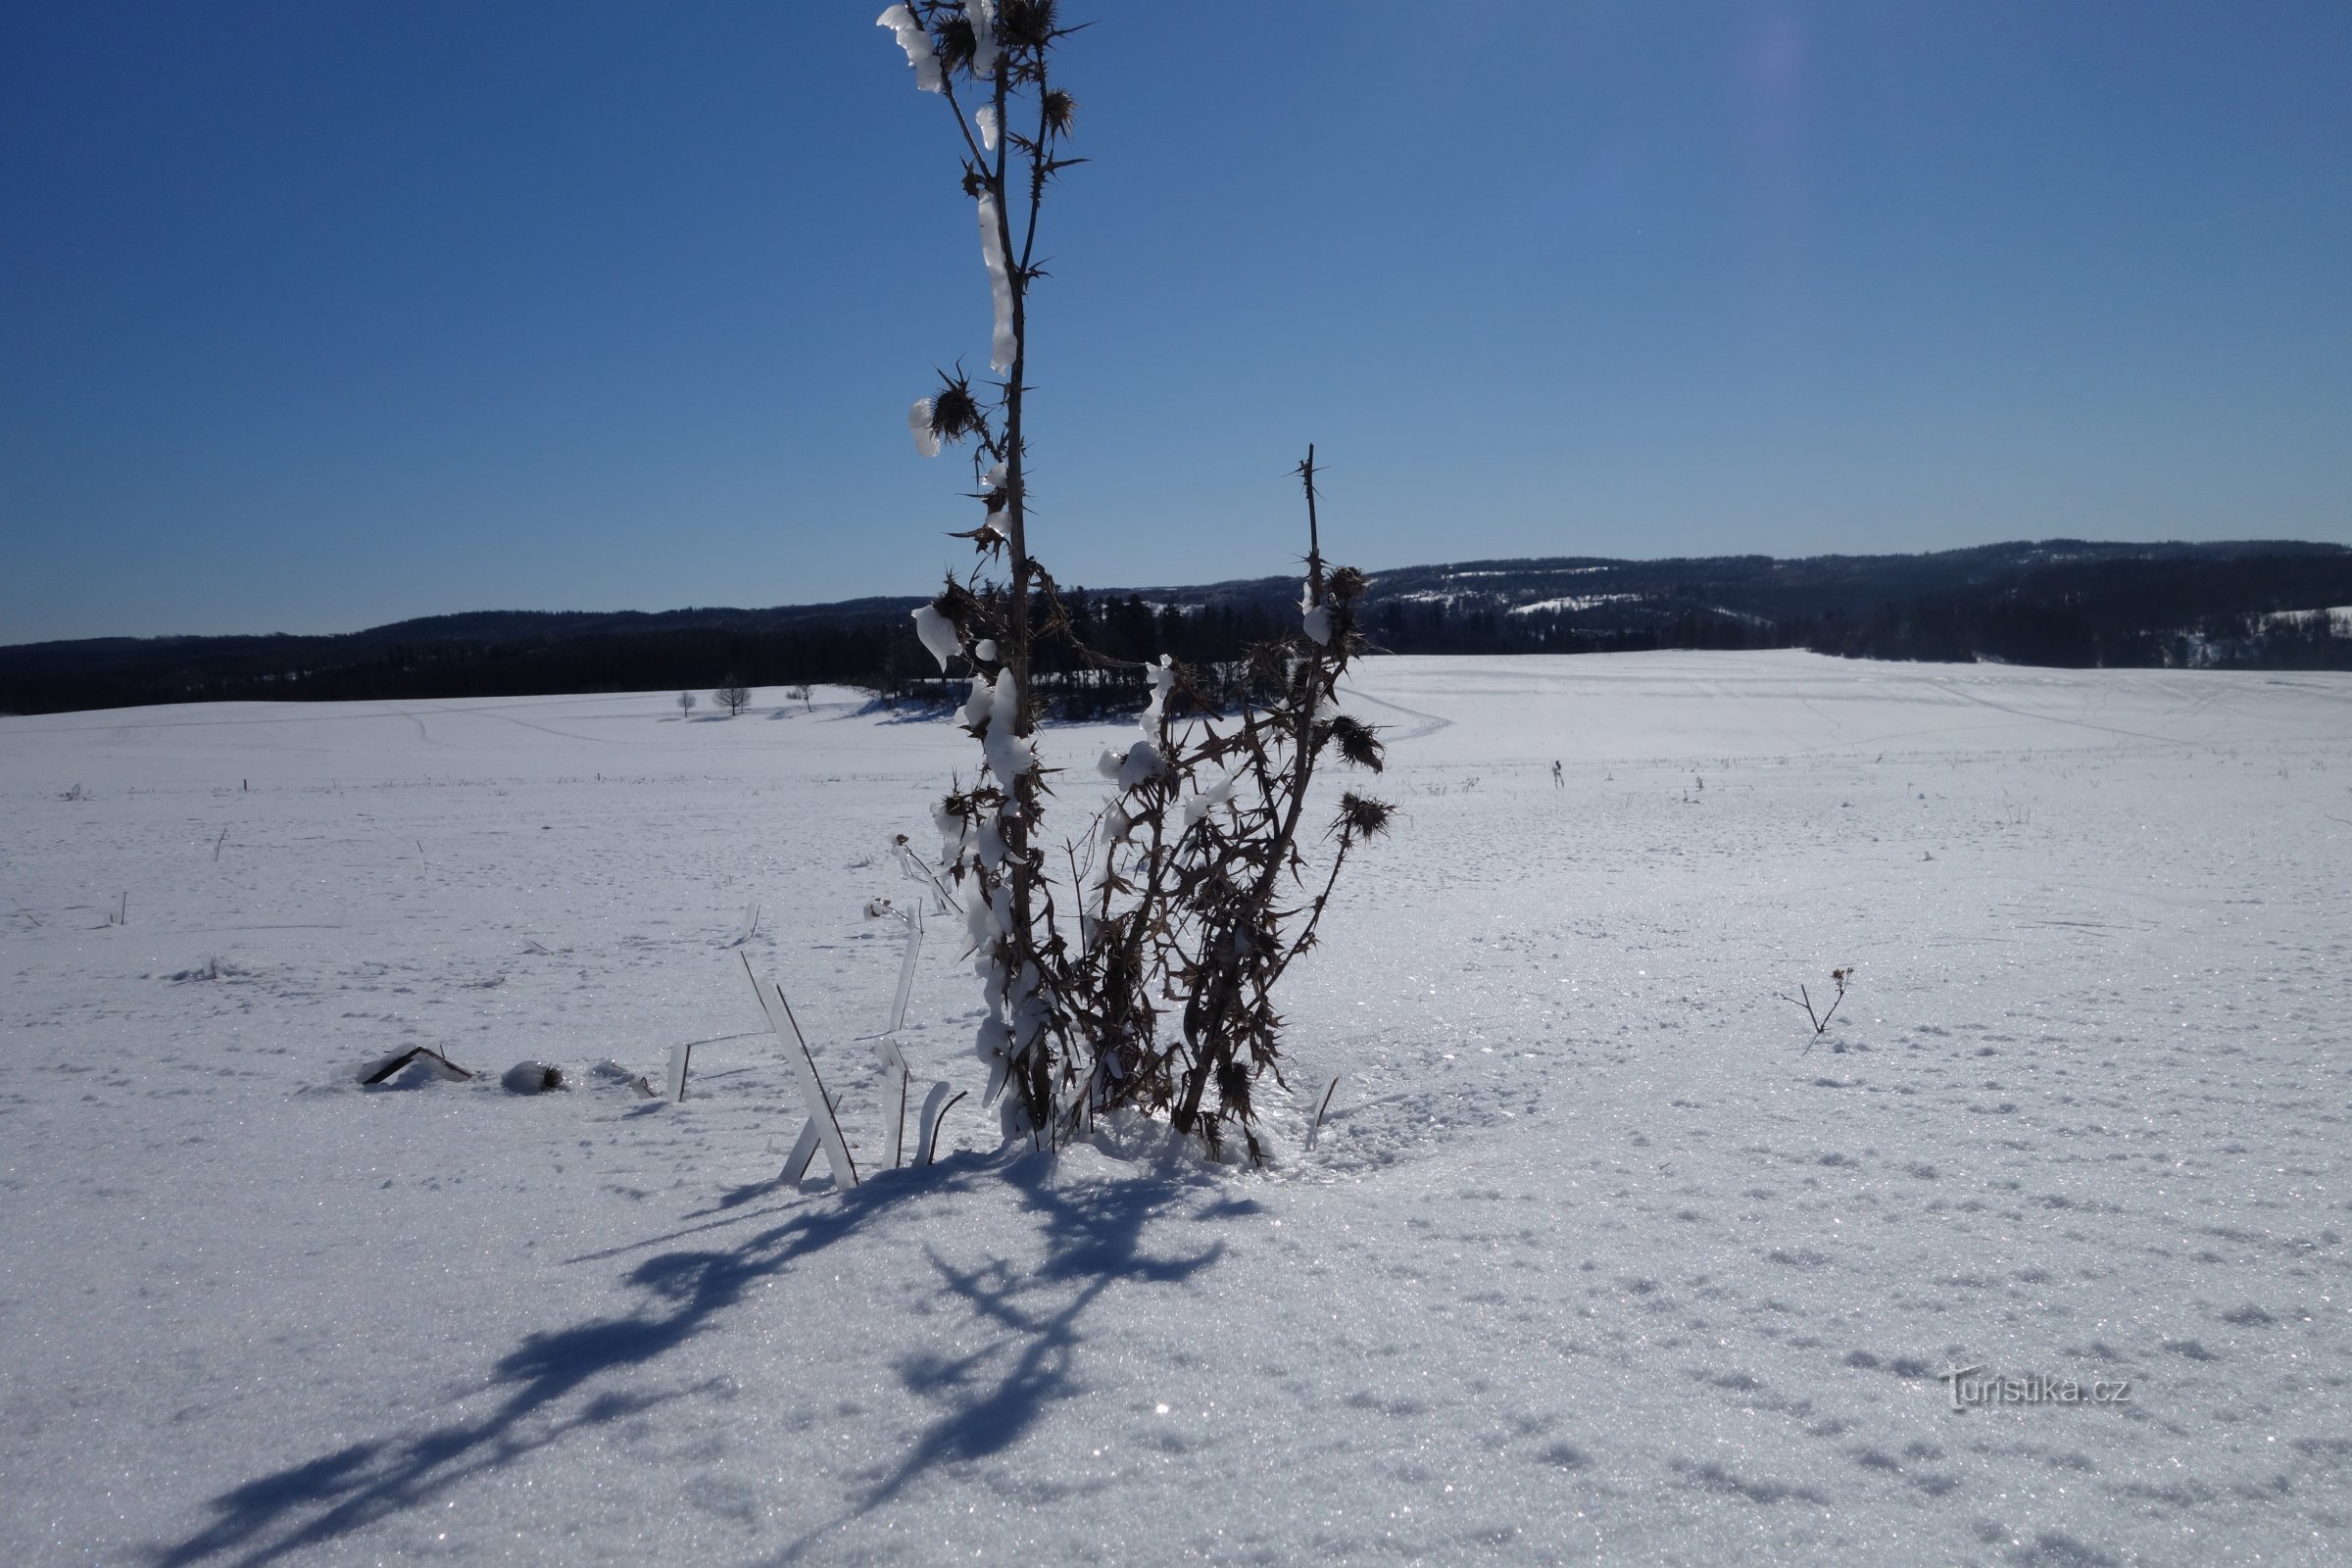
[1593, 1261]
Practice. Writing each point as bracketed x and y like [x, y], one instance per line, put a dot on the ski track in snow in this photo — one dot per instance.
[1594, 1259]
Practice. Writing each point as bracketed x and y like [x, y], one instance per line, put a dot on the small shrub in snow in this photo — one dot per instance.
[1134, 969]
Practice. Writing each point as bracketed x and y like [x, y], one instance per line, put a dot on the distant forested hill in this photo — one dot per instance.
[2057, 602]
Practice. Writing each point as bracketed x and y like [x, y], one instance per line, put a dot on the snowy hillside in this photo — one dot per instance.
[1599, 1258]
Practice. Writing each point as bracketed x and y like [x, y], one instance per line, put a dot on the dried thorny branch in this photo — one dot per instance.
[1148, 983]
[1203, 894]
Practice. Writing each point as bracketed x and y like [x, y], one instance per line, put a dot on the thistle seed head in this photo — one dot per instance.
[954, 412]
[1359, 742]
[1026, 23]
[1362, 817]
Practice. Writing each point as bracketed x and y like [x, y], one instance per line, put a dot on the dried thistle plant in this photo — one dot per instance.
[1001, 56]
[1140, 974]
[1197, 890]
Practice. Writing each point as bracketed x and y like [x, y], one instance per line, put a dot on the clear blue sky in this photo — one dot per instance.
[323, 313]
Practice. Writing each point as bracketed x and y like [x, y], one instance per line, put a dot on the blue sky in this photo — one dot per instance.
[320, 315]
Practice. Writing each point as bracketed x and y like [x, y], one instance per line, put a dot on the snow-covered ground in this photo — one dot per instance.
[1594, 1260]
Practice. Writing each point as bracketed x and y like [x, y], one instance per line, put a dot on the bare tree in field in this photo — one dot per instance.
[685, 705]
[733, 697]
[802, 695]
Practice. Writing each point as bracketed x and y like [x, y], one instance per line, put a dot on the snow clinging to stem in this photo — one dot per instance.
[1314, 618]
[1000, 285]
[918, 423]
[938, 635]
[995, 481]
[917, 43]
[982, 14]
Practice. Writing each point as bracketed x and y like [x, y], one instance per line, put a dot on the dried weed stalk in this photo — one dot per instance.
[1820, 1020]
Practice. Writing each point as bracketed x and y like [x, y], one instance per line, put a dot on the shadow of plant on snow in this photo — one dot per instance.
[561, 1382]
[1094, 1233]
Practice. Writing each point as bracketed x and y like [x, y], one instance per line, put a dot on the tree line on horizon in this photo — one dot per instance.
[2198, 608]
